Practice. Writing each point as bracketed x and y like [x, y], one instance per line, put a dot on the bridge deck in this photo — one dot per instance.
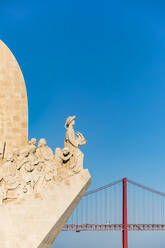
[114, 227]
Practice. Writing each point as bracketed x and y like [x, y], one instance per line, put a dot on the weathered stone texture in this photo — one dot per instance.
[13, 102]
[38, 189]
[36, 223]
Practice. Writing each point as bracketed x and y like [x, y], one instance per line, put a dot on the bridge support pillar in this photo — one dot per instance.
[125, 231]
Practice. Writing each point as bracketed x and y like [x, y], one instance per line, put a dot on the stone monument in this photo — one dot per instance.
[13, 102]
[39, 189]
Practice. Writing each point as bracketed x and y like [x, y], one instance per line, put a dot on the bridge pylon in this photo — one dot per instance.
[125, 229]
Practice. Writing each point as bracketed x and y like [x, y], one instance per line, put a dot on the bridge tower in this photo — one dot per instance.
[125, 230]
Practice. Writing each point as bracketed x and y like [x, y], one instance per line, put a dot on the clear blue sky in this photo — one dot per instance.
[103, 61]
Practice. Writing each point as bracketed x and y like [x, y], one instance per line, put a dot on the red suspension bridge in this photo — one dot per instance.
[124, 206]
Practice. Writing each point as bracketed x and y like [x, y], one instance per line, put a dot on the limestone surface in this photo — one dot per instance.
[36, 221]
[13, 103]
[35, 169]
[39, 188]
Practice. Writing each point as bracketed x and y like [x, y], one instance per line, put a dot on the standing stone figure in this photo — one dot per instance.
[73, 141]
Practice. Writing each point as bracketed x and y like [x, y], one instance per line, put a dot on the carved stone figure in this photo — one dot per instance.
[32, 145]
[73, 141]
[27, 167]
[22, 158]
[62, 161]
[8, 168]
[30, 170]
[62, 156]
[50, 172]
[9, 179]
[43, 152]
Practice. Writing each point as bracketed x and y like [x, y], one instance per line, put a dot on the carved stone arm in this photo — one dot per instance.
[73, 140]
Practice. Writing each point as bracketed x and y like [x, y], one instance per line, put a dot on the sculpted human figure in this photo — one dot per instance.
[8, 168]
[10, 180]
[73, 141]
[23, 158]
[30, 170]
[24, 168]
[43, 152]
[46, 166]
[32, 145]
[62, 162]
[62, 156]
[32, 157]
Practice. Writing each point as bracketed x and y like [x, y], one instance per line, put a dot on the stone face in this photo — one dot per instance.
[35, 223]
[13, 102]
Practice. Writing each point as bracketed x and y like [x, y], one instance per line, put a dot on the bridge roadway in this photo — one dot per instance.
[113, 227]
